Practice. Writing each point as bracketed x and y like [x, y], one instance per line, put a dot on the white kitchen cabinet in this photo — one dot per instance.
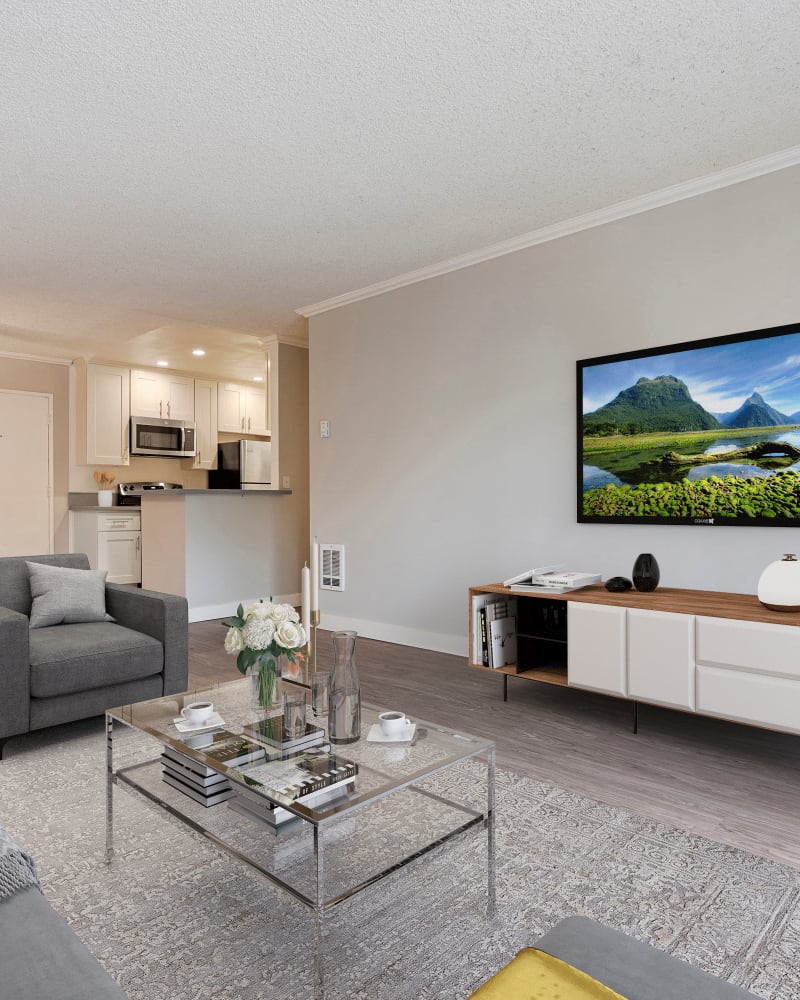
[242, 409]
[112, 541]
[597, 648]
[162, 394]
[104, 415]
[255, 410]
[205, 415]
[661, 658]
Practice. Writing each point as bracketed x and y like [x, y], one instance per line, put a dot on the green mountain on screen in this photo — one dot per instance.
[652, 404]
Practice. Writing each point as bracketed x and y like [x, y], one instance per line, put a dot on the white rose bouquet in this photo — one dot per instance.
[258, 635]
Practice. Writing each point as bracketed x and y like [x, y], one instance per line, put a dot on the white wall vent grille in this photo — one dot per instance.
[331, 566]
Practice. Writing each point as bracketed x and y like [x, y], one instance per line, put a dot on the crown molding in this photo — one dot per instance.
[36, 357]
[621, 210]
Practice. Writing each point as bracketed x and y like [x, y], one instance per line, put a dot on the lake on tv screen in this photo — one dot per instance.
[707, 432]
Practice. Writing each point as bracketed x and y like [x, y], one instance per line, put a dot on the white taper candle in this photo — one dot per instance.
[305, 590]
[315, 576]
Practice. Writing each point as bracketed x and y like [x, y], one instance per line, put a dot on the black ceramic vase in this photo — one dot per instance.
[645, 572]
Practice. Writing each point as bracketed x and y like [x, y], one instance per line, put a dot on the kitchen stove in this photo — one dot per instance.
[130, 494]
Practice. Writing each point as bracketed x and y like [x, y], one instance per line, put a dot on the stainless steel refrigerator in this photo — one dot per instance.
[242, 465]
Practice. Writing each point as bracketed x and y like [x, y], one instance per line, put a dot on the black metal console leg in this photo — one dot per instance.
[505, 687]
[3, 742]
[636, 717]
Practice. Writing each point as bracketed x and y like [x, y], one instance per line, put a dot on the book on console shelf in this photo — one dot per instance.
[302, 775]
[503, 637]
[271, 731]
[527, 575]
[488, 608]
[556, 582]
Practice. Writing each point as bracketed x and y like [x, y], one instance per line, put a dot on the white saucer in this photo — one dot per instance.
[377, 735]
[214, 721]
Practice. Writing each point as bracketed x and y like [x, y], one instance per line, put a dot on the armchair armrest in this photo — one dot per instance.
[164, 617]
[15, 669]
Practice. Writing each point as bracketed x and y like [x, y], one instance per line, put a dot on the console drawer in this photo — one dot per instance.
[757, 647]
[771, 702]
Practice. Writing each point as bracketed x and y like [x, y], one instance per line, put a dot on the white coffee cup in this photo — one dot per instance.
[197, 712]
[393, 723]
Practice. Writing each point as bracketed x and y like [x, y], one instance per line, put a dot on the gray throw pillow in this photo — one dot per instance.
[64, 596]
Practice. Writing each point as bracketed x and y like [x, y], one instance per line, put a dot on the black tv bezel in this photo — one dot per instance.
[687, 345]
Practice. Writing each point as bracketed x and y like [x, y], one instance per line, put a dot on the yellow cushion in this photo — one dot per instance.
[535, 975]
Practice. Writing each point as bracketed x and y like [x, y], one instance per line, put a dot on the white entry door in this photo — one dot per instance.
[26, 473]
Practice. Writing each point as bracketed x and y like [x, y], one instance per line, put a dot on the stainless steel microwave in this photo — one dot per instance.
[170, 438]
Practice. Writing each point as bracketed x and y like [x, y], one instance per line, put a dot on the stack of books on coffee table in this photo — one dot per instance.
[313, 778]
[201, 782]
[271, 732]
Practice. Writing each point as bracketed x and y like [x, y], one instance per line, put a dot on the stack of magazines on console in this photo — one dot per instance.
[550, 580]
[313, 779]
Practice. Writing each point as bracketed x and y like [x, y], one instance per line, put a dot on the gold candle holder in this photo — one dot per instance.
[312, 639]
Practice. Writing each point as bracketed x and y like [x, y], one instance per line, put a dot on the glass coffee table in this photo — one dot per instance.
[405, 800]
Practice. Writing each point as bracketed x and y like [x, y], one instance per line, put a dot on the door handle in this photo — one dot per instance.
[169, 408]
[138, 542]
[242, 423]
[161, 408]
[248, 423]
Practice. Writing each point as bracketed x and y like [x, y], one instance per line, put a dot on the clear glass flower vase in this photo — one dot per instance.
[264, 684]
[344, 699]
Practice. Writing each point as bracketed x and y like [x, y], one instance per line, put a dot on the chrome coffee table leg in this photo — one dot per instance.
[109, 789]
[319, 912]
[490, 905]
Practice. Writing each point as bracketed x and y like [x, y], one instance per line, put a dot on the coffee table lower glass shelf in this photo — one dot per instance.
[407, 799]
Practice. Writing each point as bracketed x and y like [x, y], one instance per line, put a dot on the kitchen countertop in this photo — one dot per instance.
[160, 494]
[83, 501]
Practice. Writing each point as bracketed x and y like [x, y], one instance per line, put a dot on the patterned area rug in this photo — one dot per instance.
[174, 918]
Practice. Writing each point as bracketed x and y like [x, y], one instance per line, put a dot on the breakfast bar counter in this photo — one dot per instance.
[221, 547]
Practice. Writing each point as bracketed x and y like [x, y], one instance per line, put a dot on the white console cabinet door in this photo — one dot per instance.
[661, 662]
[749, 671]
[596, 648]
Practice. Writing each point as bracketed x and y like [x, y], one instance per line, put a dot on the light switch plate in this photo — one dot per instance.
[324, 428]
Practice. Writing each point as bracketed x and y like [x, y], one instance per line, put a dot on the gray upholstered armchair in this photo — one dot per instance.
[60, 673]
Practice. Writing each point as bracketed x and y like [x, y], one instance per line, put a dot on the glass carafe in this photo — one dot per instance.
[344, 701]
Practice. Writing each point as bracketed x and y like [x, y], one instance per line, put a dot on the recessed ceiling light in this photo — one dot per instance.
[199, 352]
[162, 364]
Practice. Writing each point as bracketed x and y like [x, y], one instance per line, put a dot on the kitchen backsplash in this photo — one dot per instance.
[141, 470]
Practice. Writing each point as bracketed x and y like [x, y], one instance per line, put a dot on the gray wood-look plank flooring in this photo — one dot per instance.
[731, 783]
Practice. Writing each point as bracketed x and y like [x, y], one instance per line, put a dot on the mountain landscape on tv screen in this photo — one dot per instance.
[665, 404]
[654, 452]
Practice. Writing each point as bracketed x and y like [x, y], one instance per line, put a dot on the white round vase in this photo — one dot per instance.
[779, 584]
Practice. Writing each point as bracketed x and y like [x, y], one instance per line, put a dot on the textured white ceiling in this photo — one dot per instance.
[174, 172]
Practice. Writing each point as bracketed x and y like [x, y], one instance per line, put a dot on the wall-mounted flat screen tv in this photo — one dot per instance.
[706, 432]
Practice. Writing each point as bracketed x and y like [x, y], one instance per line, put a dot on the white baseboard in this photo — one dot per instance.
[209, 612]
[439, 642]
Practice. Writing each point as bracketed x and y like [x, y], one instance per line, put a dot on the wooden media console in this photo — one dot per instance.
[717, 654]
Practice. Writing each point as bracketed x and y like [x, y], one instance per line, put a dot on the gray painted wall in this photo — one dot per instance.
[452, 407]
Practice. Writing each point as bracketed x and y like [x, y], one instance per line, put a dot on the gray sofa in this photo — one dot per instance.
[40, 957]
[65, 672]
[629, 967]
